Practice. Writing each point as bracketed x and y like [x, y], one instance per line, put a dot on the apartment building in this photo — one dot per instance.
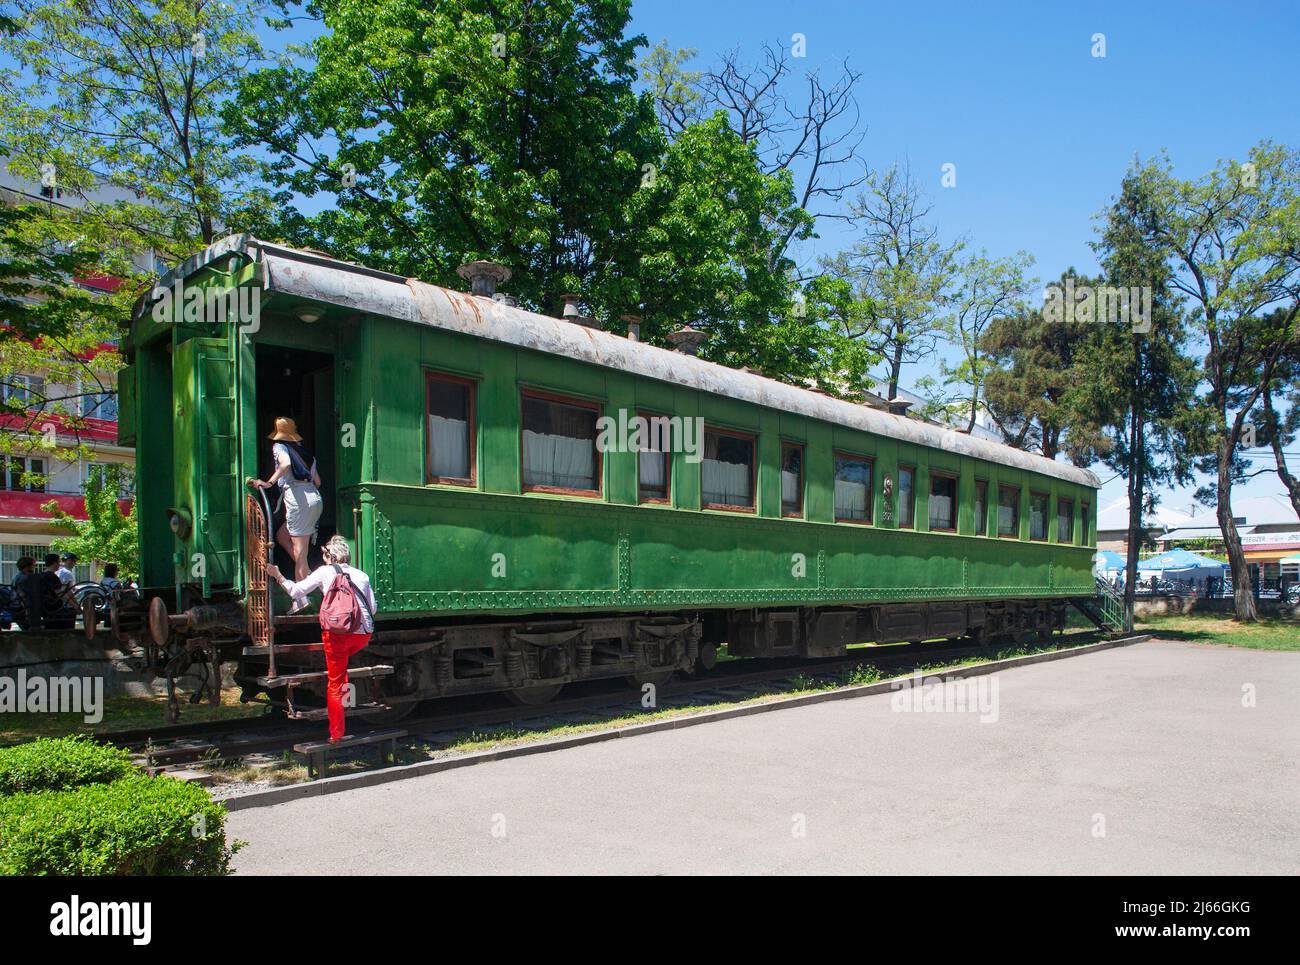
[25, 529]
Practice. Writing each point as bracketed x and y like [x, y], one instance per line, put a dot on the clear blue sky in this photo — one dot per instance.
[1040, 130]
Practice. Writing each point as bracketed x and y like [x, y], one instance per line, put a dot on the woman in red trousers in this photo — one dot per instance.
[340, 584]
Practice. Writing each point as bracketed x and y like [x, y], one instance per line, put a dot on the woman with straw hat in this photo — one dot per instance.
[299, 482]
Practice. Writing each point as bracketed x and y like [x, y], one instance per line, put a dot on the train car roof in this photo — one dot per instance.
[319, 277]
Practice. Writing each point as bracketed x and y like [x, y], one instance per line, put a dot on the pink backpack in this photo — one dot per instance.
[340, 609]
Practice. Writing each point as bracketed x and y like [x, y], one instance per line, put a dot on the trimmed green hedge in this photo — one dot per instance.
[134, 826]
[60, 764]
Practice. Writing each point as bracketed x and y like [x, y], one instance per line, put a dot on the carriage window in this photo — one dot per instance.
[981, 506]
[943, 502]
[852, 489]
[727, 473]
[451, 430]
[1038, 503]
[791, 479]
[1008, 511]
[906, 497]
[654, 465]
[559, 446]
[1065, 520]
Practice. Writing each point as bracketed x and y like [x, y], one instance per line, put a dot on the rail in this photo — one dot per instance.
[258, 600]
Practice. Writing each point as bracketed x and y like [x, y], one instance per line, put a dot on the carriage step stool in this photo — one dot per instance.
[317, 752]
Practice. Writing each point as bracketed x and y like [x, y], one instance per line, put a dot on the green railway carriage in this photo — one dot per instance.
[479, 460]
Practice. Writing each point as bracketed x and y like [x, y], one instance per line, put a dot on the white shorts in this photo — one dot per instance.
[302, 507]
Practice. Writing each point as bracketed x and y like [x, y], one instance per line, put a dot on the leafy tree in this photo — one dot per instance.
[698, 255]
[1135, 381]
[53, 364]
[107, 534]
[807, 128]
[440, 133]
[513, 132]
[121, 101]
[1035, 363]
[897, 275]
[984, 290]
[1231, 239]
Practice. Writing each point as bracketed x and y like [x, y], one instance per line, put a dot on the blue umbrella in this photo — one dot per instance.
[1108, 560]
[1180, 559]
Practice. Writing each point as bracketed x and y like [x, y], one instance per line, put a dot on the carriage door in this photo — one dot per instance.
[205, 460]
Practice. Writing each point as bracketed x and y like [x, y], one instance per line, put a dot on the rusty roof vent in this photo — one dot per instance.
[573, 314]
[633, 327]
[483, 277]
[899, 406]
[687, 340]
[507, 300]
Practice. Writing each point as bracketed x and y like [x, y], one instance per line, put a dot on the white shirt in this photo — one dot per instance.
[321, 578]
[281, 453]
[66, 575]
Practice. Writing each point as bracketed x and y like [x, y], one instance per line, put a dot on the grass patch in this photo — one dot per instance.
[122, 713]
[1270, 633]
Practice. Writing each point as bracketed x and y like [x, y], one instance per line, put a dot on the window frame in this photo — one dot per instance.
[981, 527]
[1084, 510]
[471, 482]
[998, 528]
[598, 468]
[753, 469]
[803, 477]
[898, 497]
[1047, 516]
[667, 498]
[26, 467]
[956, 500]
[1069, 501]
[871, 489]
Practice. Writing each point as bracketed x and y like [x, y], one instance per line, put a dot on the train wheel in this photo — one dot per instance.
[532, 696]
[659, 679]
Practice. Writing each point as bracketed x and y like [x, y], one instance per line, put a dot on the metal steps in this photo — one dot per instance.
[285, 648]
[320, 676]
[321, 713]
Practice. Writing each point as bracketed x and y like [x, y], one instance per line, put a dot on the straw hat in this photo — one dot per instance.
[286, 430]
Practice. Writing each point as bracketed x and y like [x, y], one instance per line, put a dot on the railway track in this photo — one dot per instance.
[731, 681]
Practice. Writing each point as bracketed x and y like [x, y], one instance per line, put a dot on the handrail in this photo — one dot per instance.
[250, 482]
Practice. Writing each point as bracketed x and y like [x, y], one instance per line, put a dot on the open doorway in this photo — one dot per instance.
[298, 384]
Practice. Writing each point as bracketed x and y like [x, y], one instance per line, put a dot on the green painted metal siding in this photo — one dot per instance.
[433, 547]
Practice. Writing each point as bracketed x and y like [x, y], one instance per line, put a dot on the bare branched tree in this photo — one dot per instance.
[810, 127]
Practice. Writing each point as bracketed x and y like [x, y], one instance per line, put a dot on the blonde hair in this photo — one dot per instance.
[336, 548]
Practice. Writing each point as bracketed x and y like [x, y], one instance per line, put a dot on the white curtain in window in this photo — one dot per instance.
[725, 482]
[850, 499]
[790, 488]
[940, 510]
[448, 447]
[1006, 518]
[559, 461]
[652, 470]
